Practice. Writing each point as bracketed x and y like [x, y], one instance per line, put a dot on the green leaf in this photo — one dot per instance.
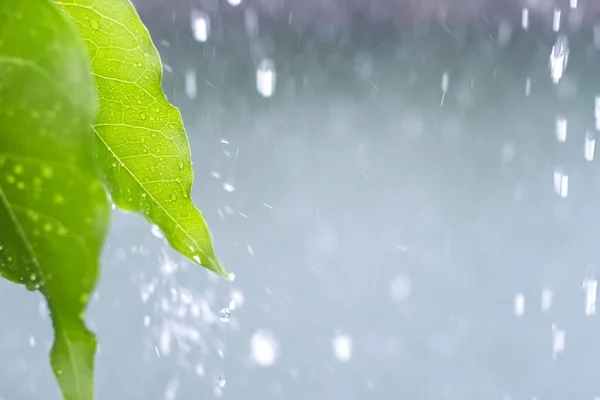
[141, 144]
[53, 208]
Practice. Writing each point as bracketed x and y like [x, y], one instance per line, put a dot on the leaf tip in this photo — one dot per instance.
[218, 268]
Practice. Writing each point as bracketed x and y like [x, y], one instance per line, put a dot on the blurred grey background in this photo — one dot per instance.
[391, 212]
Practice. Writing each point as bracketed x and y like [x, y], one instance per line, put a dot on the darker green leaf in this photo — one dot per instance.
[53, 209]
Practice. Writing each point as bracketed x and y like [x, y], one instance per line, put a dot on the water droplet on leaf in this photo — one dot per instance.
[58, 199]
[47, 172]
[32, 215]
[143, 116]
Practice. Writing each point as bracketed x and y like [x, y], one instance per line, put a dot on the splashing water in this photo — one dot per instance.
[181, 317]
[264, 348]
[232, 304]
[225, 314]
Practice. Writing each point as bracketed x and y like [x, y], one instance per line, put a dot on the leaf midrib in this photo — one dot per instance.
[124, 166]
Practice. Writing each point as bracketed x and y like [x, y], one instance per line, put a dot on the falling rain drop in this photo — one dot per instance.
[222, 381]
[234, 3]
[251, 22]
[561, 183]
[519, 304]
[591, 293]
[558, 58]
[558, 340]
[444, 85]
[596, 34]
[561, 129]
[556, 20]
[190, 84]
[342, 347]
[504, 33]
[590, 145]
[525, 18]
[200, 26]
[225, 314]
[266, 78]
[400, 288]
[573, 4]
[228, 187]
[597, 111]
[546, 301]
